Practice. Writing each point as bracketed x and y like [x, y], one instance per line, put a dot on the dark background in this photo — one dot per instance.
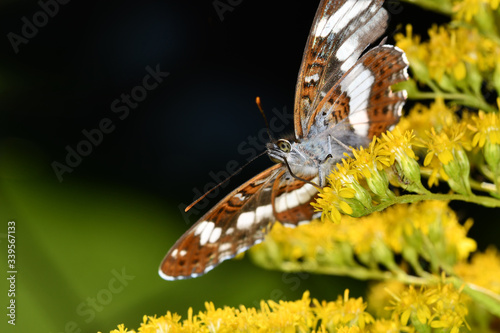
[119, 209]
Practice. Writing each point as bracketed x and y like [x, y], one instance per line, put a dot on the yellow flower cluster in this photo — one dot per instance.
[358, 184]
[450, 54]
[427, 230]
[452, 142]
[304, 315]
[458, 60]
[422, 117]
[439, 306]
[486, 128]
[483, 270]
[467, 10]
[486, 135]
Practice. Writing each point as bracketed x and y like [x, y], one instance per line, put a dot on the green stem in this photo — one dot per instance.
[359, 273]
[410, 198]
[485, 297]
[436, 6]
[467, 100]
[483, 186]
[474, 184]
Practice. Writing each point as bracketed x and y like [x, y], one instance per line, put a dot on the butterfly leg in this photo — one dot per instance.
[324, 169]
[343, 145]
[300, 178]
[325, 166]
[321, 177]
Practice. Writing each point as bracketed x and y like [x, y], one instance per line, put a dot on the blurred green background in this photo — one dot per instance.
[88, 245]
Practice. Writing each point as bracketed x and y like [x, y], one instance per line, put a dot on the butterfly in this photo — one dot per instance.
[342, 100]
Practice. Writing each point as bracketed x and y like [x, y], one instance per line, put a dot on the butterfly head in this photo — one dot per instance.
[284, 149]
[279, 151]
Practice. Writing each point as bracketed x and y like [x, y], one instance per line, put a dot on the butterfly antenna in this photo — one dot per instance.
[223, 182]
[257, 100]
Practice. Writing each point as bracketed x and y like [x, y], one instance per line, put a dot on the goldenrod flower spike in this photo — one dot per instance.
[348, 177]
[406, 171]
[452, 157]
[411, 309]
[370, 164]
[486, 129]
[453, 63]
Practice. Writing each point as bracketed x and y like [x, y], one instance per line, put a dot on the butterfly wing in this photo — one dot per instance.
[341, 30]
[292, 199]
[363, 98]
[237, 222]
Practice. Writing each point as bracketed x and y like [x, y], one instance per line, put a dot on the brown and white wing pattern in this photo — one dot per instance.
[363, 97]
[237, 222]
[341, 30]
[292, 199]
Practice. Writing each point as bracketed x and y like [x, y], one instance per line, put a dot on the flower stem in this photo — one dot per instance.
[442, 7]
[489, 299]
[474, 184]
[360, 273]
[410, 198]
[467, 100]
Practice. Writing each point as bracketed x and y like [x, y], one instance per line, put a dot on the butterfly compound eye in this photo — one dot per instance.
[284, 145]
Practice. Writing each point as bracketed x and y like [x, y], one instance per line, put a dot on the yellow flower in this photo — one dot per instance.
[287, 316]
[121, 329]
[365, 238]
[304, 315]
[441, 146]
[378, 296]
[416, 52]
[449, 307]
[297, 246]
[349, 329]
[333, 198]
[468, 9]
[446, 54]
[389, 326]
[440, 306]
[370, 164]
[421, 117]
[348, 177]
[398, 147]
[486, 128]
[449, 150]
[454, 57]
[483, 270]
[411, 304]
[455, 234]
[343, 312]
[371, 160]
[405, 230]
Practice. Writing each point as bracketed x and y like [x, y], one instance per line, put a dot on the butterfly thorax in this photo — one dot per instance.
[316, 155]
